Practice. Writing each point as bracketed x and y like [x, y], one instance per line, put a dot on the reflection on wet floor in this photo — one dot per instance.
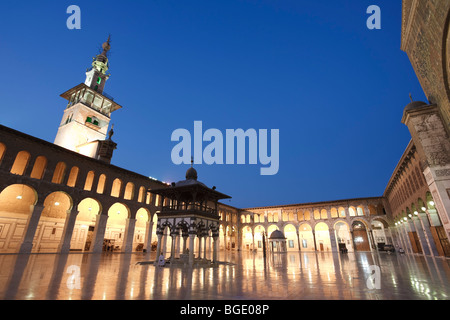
[245, 275]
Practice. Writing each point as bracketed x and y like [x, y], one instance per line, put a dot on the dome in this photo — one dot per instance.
[277, 234]
[191, 173]
[415, 105]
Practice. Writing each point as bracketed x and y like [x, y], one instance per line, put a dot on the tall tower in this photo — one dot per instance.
[85, 122]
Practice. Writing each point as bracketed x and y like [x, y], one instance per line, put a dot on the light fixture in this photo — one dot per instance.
[424, 209]
[410, 215]
[431, 203]
[19, 197]
[416, 213]
[405, 218]
[56, 203]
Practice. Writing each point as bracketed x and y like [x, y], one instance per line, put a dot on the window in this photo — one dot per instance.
[291, 243]
[99, 80]
[304, 243]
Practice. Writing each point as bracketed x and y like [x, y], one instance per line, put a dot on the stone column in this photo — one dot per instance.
[420, 232]
[333, 240]
[30, 228]
[130, 225]
[185, 237]
[71, 217]
[158, 246]
[148, 236]
[99, 233]
[173, 246]
[215, 248]
[431, 139]
[423, 219]
[191, 248]
[200, 246]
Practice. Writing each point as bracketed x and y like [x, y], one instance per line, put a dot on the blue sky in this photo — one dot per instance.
[312, 69]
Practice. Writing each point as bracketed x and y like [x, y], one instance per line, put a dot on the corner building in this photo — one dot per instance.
[66, 196]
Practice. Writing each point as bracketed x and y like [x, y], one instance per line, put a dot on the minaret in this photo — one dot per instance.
[85, 122]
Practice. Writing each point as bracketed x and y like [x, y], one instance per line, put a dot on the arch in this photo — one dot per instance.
[17, 199]
[20, 163]
[352, 211]
[360, 236]
[247, 238]
[118, 214]
[116, 187]
[307, 215]
[343, 236]
[293, 216]
[306, 237]
[141, 194]
[129, 191]
[271, 228]
[140, 233]
[323, 214]
[89, 180]
[341, 212]
[39, 168]
[73, 175]
[258, 232]
[334, 213]
[360, 211]
[290, 232]
[316, 214]
[57, 205]
[17, 202]
[101, 184]
[322, 237]
[59, 172]
[2, 151]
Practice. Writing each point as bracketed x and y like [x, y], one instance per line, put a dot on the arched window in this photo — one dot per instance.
[129, 191]
[39, 167]
[116, 186]
[72, 180]
[2, 151]
[101, 183]
[141, 195]
[89, 181]
[20, 163]
[58, 174]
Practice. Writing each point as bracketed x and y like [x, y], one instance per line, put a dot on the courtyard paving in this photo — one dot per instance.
[239, 276]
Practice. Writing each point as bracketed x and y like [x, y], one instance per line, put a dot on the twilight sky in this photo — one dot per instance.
[312, 69]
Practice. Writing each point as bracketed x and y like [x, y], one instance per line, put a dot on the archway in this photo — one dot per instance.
[83, 231]
[322, 237]
[51, 224]
[290, 233]
[379, 227]
[16, 204]
[360, 237]
[306, 237]
[343, 236]
[258, 232]
[140, 232]
[247, 238]
[118, 213]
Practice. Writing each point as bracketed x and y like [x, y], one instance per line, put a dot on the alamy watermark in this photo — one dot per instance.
[374, 21]
[218, 151]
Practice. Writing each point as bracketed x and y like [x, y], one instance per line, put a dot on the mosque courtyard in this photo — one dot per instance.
[238, 276]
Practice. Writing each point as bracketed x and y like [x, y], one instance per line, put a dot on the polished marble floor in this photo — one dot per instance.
[240, 275]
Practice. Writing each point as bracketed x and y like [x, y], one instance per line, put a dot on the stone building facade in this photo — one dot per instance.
[66, 196]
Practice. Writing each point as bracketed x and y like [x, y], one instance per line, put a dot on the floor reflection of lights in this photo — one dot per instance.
[246, 275]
